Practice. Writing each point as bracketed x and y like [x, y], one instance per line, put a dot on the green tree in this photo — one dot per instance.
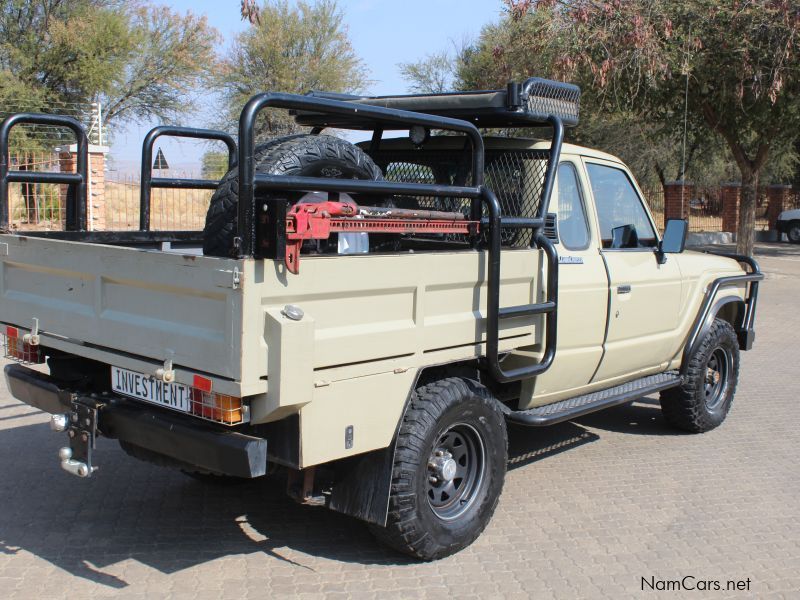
[289, 48]
[542, 44]
[171, 59]
[741, 60]
[434, 74]
[141, 61]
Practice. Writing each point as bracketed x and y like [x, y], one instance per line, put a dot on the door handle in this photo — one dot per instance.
[624, 289]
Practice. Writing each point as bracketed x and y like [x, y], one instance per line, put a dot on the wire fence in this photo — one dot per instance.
[43, 206]
[705, 207]
[36, 206]
[45, 148]
[655, 200]
[170, 209]
[39, 138]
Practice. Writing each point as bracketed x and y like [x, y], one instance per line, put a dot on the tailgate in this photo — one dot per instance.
[150, 304]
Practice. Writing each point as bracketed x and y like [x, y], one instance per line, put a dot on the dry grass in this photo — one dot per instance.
[170, 209]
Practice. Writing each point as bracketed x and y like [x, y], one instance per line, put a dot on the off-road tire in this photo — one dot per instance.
[793, 233]
[688, 406]
[435, 410]
[306, 155]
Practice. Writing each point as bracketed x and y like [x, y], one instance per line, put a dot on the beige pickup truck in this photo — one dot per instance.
[366, 319]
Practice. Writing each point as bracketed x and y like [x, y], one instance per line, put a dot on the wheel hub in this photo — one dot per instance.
[716, 378]
[456, 469]
[442, 466]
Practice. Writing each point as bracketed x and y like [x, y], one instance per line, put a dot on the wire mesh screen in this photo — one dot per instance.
[516, 178]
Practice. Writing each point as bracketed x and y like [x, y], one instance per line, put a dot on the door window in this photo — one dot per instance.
[573, 230]
[623, 219]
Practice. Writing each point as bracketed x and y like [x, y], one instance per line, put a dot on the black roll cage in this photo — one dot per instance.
[262, 206]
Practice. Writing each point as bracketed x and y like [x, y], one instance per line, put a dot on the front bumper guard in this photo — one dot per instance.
[85, 416]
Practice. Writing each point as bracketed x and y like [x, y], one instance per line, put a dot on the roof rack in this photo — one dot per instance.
[519, 105]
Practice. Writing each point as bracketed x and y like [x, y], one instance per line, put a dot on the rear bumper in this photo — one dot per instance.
[37, 390]
[185, 440]
[782, 226]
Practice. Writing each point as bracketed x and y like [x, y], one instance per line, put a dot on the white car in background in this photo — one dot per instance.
[789, 223]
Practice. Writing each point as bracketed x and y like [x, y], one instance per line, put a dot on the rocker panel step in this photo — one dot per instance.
[569, 409]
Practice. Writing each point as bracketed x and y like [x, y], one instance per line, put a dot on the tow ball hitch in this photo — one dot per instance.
[81, 427]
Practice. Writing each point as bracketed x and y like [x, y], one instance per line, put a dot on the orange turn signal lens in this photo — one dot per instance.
[217, 407]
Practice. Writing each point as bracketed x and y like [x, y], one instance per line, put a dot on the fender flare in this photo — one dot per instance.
[717, 307]
[706, 323]
[711, 306]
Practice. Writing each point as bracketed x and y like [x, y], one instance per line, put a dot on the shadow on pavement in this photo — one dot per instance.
[642, 417]
[169, 522]
[158, 517]
[528, 445]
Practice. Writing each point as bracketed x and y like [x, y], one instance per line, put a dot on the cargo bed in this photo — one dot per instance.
[130, 307]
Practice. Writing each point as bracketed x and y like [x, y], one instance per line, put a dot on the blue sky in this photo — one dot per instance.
[383, 33]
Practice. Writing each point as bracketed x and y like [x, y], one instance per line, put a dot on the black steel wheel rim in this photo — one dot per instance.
[456, 471]
[715, 384]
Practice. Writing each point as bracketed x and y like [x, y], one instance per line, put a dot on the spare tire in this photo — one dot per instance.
[306, 155]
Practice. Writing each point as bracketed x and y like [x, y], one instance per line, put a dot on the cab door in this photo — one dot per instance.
[644, 296]
[582, 293]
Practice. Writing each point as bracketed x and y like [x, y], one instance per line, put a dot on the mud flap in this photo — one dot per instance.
[363, 490]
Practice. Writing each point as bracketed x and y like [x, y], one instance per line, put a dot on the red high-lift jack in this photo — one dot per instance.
[318, 220]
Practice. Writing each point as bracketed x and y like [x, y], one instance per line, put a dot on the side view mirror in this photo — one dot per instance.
[674, 239]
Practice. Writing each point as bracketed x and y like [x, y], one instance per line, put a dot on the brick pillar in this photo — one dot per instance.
[67, 162]
[96, 209]
[677, 195]
[97, 188]
[778, 197]
[731, 195]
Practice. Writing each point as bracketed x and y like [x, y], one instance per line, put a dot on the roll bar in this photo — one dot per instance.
[148, 182]
[76, 196]
[249, 182]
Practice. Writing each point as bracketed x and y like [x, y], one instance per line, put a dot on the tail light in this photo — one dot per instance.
[17, 349]
[215, 407]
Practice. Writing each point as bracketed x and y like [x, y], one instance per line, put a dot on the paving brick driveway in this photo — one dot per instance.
[589, 508]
